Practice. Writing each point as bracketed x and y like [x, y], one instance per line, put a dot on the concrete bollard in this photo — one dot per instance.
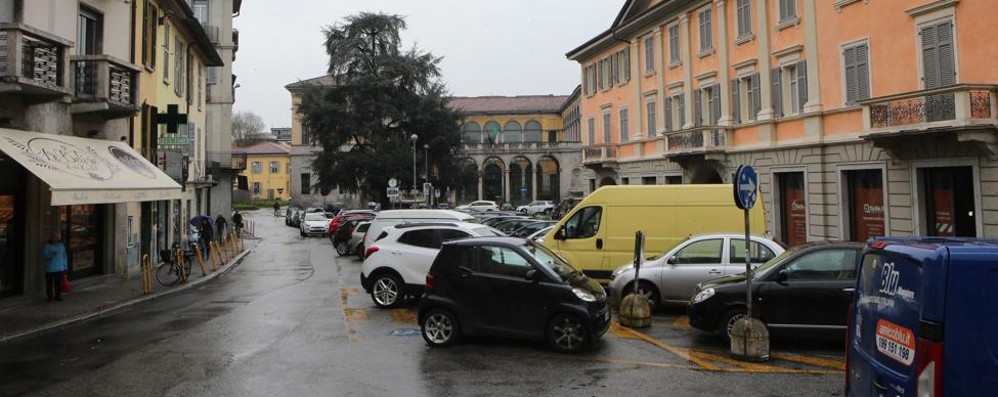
[750, 340]
[146, 274]
[635, 312]
[197, 252]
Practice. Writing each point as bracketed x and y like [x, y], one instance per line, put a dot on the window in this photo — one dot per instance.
[938, 61]
[166, 53]
[472, 133]
[275, 167]
[828, 264]
[745, 98]
[623, 125]
[707, 105]
[451, 234]
[532, 132]
[585, 223]
[150, 19]
[606, 126]
[625, 181]
[180, 63]
[592, 131]
[256, 187]
[788, 10]
[649, 55]
[744, 15]
[700, 252]
[606, 74]
[512, 132]
[426, 238]
[789, 89]
[855, 59]
[675, 112]
[201, 11]
[865, 204]
[198, 83]
[88, 39]
[306, 183]
[623, 68]
[674, 180]
[256, 167]
[792, 205]
[501, 261]
[648, 180]
[758, 253]
[674, 45]
[212, 77]
[948, 202]
[650, 111]
[706, 31]
[590, 79]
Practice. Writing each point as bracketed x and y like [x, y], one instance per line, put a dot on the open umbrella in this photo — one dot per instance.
[197, 220]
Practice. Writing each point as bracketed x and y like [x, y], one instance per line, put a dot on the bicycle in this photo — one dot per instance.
[169, 271]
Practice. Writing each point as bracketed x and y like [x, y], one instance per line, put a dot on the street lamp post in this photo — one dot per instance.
[413, 138]
[426, 172]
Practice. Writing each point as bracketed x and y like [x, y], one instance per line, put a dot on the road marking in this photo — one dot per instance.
[682, 322]
[811, 360]
[403, 316]
[627, 332]
[349, 314]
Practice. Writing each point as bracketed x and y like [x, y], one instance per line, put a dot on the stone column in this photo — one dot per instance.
[507, 181]
[636, 74]
[660, 92]
[537, 175]
[723, 69]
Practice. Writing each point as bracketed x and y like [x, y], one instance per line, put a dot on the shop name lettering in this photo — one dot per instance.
[896, 334]
[71, 159]
[868, 208]
[796, 206]
[889, 283]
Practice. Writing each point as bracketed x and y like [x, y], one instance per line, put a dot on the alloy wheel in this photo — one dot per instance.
[385, 291]
[438, 329]
[568, 334]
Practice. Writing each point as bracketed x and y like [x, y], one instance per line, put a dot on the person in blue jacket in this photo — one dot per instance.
[54, 253]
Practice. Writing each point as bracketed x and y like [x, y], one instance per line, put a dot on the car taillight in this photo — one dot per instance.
[930, 368]
[370, 250]
[429, 282]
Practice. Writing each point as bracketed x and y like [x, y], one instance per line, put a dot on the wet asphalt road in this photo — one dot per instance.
[292, 320]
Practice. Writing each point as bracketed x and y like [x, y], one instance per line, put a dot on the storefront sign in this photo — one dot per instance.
[869, 210]
[943, 203]
[795, 217]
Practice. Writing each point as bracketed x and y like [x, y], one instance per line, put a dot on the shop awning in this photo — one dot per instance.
[88, 171]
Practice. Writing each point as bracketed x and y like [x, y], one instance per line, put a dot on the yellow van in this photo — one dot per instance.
[597, 236]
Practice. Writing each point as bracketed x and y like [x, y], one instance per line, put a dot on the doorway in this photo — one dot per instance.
[949, 206]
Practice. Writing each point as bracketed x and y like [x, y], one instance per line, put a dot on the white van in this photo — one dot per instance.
[395, 217]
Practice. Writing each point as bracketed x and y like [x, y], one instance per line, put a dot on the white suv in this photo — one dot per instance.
[536, 207]
[396, 264]
[479, 206]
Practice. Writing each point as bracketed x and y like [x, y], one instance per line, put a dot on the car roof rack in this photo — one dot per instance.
[422, 224]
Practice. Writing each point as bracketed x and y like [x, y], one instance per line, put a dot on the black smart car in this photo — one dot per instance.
[510, 287]
[807, 288]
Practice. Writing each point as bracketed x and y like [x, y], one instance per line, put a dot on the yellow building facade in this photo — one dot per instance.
[268, 170]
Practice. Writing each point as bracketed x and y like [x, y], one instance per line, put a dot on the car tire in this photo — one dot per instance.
[523, 211]
[386, 290]
[648, 290]
[440, 328]
[342, 249]
[728, 321]
[567, 333]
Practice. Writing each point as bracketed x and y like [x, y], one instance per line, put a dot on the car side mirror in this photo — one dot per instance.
[672, 260]
[560, 234]
[782, 276]
[533, 275]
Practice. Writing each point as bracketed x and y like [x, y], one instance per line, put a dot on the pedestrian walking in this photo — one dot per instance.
[207, 235]
[220, 225]
[237, 222]
[54, 253]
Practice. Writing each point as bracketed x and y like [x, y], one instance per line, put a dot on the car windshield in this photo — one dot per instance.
[764, 268]
[315, 217]
[487, 232]
[551, 261]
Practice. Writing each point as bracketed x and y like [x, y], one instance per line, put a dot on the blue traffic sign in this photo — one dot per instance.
[746, 185]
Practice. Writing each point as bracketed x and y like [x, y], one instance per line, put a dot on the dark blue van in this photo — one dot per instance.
[924, 319]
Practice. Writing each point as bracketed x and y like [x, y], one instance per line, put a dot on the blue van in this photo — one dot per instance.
[924, 319]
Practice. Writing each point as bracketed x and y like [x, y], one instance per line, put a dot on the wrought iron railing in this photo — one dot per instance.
[520, 146]
[30, 56]
[698, 138]
[225, 160]
[956, 102]
[100, 78]
[599, 153]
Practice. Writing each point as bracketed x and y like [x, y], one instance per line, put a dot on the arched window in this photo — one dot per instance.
[512, 133]
[472, 133]
[532, 132]
[493, 133]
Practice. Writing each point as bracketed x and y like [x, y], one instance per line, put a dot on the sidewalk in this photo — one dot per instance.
[96, 298]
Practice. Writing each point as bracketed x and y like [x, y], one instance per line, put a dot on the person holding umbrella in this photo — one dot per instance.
[207, 235]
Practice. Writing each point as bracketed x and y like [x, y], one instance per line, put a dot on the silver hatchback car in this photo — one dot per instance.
[673, 277]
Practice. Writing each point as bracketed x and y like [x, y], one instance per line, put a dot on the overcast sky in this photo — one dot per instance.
[507, 47]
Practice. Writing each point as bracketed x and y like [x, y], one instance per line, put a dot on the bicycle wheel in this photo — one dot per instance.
[167, 274]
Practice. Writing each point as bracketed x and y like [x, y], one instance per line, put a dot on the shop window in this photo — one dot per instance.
[865, 204]
[793, 208]
[80, 228]
[949, 204]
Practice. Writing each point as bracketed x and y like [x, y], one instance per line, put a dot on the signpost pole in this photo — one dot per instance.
[749, 336]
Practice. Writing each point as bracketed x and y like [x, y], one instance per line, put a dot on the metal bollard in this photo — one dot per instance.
[197, 252]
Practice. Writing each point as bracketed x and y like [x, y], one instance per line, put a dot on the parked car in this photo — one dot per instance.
[335, 224]
[496, 219]
[509, 225]
[536, 207]
[924, 319]
[479, 206]
[530, 228]
[314, 223]
[293, 216]
[395, 265]
[390, 218]
[341, 239]
[543, 296]
[538, 236]
[356, 242]
[673, 277]
[805, 289]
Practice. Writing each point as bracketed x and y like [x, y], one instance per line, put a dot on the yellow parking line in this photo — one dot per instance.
[682, 322]
[627, 332]
[743, 365]
[403, 316]
[349, 314]
[811, 360]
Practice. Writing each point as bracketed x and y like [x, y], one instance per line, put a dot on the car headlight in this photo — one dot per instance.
[703, 295]
[585, 296]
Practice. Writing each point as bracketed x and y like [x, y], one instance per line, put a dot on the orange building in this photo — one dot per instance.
[862, 118]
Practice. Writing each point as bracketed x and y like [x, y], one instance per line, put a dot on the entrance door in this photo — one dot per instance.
[82, 233]
[865, 192]
[949, 202]
[11, 228]
[793, 205]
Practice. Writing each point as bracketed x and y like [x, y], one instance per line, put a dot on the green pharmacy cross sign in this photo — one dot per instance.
[172, 118]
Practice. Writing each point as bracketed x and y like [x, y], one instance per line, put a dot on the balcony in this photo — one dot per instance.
[706, 143]
[104, 87]
[225, 161]
[521, 148]
[212, 32]
[965, 112]
[599, 156]
[32, 62]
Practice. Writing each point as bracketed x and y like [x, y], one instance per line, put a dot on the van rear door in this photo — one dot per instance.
[883, 339]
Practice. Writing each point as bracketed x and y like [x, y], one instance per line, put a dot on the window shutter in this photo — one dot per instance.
[697, 120]
[930, 58]
[627, 65]
[650, 109]
[715, 104]
[783, 9]
[849, 59]
[801, 85]
[735, 102]
[862, 72]
[668, 114]
[756, 96]
[682, 110]
[944, 46]
[777, 94]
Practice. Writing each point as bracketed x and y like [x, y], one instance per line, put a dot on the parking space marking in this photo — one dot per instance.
[349, 314]
[811, 360]
[632, 334]
[682, 322]
[403, 316]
